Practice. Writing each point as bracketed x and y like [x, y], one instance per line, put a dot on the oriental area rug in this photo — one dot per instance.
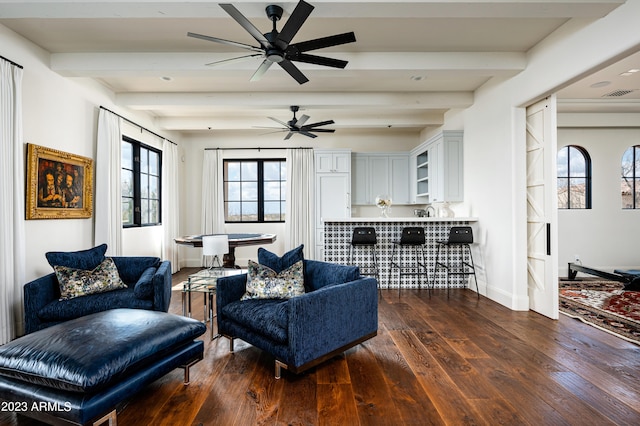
[603, 304]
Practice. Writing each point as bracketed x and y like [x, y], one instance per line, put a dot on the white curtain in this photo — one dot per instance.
[212, 193]
[170, 203]
[299, 223]
[12, 194]
[108, 196]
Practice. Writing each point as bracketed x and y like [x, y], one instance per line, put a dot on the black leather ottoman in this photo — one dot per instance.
[77, 372]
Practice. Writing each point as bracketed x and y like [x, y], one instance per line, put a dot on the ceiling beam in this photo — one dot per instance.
[145, 63]
[343, 120]
[275, 100]
[21, 9]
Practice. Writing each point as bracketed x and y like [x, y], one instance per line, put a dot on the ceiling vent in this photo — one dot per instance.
[618, 93]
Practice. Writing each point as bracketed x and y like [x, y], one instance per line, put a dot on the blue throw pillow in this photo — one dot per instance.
[83, 259]
[277, 263]
[144, 287]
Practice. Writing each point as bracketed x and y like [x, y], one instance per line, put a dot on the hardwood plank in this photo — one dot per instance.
[450, 402]
[606, 405]
[223, 401]
[299, 402]
[407, 395]
[336, 405]
[264, 393]
[334, 370]
[373, 397]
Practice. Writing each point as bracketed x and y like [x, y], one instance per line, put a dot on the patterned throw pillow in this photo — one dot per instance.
[80, 282]
[265, 283]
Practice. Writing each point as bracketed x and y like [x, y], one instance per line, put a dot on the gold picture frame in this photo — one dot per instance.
[59, 184]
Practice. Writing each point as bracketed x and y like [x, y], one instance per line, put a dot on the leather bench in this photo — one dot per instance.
[78, 371]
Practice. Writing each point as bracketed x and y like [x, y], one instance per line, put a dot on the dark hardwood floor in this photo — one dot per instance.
[436, 360]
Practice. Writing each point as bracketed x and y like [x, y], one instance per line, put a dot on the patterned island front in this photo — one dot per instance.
[337, 241]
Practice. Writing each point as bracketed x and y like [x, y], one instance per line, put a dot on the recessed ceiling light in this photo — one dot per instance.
[600, 84]
[630, 72]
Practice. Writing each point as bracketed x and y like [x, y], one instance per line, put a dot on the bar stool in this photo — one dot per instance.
[459, 236]
[365, 237]
[410, 237]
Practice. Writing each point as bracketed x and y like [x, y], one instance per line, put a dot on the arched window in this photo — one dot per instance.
[630, 188]
[574, 178]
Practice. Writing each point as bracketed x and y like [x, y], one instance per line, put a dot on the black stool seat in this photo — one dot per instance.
[365, 237]
[410, 237]
[462, 237]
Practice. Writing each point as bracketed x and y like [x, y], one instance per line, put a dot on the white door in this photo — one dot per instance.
[542, 236]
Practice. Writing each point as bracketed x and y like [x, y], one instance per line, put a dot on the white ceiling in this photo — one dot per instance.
[412, 61]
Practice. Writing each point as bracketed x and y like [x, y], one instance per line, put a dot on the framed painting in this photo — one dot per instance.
[59, 184]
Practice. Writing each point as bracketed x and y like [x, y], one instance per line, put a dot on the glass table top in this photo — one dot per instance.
[205, 280]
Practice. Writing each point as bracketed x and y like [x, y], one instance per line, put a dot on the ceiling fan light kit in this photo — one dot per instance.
[275, 46]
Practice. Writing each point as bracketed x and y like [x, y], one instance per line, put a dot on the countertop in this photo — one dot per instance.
[401, 219]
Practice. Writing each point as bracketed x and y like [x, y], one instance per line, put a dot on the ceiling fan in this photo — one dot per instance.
[296, 125]
[275, 46]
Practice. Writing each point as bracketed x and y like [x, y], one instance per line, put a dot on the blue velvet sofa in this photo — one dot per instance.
[338, 310]
[148, 281]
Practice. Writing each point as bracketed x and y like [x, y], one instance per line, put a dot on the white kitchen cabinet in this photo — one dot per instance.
[380, 174]
[332, 161]
[439, 168]
[360, 179]
[399, 187]
[333, 190]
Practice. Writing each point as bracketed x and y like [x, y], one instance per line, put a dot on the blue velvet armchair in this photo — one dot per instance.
[338, 310]
[148, 281]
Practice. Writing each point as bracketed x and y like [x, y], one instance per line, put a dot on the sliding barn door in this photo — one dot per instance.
[542, 241]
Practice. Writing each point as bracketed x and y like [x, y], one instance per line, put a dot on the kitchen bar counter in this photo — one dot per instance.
[412, 219]
[337, 238]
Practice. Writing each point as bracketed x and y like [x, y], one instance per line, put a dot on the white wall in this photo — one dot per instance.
[605, 236]
[495, 140]
[62, 113]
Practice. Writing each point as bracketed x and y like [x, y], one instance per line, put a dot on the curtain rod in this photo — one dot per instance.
[11, 62]
[258, 148]
[136, 124]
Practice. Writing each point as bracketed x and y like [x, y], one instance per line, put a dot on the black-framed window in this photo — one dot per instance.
[255, 190]
[141, 184]
[574, 178]
[630, 171]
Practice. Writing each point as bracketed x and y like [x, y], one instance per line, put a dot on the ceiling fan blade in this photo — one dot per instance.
[246, 24]
[261, 70]
[319, 60]
[279, 122]
[223, 41]
[301, 120]
[294, 23]
[288, 135]
[293, 71]
[270, 127]
[321, 43]
[311, 135]
[275, 131]
[322, 130]
[239, 58]
[320, 123]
